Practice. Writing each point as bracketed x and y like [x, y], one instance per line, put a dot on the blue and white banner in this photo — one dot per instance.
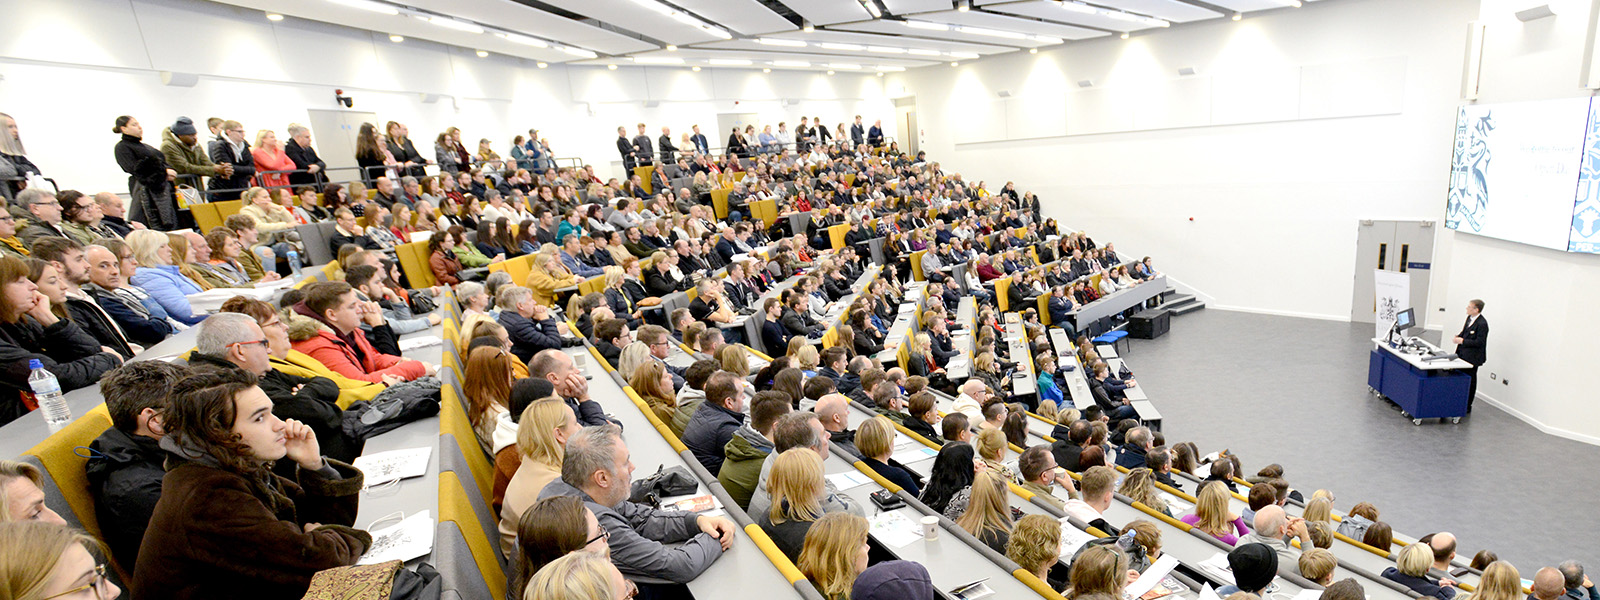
[1514, 170]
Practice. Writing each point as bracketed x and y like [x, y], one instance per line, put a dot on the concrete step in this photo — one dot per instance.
[1168, 300]
[1188, 307]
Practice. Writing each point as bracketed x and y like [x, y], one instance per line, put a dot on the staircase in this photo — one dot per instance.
[1180, 304]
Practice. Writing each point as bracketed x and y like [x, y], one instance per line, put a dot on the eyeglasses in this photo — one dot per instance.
[262, 342]
[97, 584]
[604, 535]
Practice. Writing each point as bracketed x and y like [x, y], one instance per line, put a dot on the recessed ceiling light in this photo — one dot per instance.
[611, 67]
[1237, 16]
[830, 71]
[1033, 51]
[671, 48]
[695, 69]
[880, 73]
[872, 7]
[369, 5]
[964, 5]
[483, 54]
[544, 65]
[274, 17]
[1124, 35]
[955, 64]
[766, 70]
[397, 38]
[807, 27]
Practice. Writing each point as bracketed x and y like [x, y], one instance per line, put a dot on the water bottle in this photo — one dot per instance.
[294, 262]
[47, 391]
[1125, 541]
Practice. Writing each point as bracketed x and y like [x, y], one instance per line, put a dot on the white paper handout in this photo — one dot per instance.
[848, 479]
[907, 457]
[895, 529]
[419, 341]
[213, 299]
[410, 538]
[1151, 576]
[381, 467]
[1218, 567]
[276, 284]
[1072, 539]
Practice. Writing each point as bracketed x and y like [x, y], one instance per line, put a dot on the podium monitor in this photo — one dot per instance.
[1403, 321]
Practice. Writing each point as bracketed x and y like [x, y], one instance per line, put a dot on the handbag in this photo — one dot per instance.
[665, 483]
[188, 196]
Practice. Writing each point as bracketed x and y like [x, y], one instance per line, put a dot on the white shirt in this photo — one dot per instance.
[1081, 510]
[969, 406]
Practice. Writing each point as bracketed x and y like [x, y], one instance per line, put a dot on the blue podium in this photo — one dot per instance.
[1422, 390]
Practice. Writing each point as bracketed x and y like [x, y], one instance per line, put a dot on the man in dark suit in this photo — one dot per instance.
[858, 132]
[669, 152]
[299, 150]
[643, 149]
[1470, 345]
[773, 334]
[701, 145]
[625, 148]
[875, 135]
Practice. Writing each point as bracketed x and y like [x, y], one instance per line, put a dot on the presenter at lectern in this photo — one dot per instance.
[1470, 345]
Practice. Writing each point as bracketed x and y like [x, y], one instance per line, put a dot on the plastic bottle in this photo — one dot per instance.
[294, 262]
[1125, 542]
[47, 391]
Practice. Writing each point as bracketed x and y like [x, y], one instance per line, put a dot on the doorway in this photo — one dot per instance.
[905, 113]
[333, 134]
[1399, 246]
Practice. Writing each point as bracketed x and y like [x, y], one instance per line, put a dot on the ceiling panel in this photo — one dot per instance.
[748, 17]
[517, 17]
[877, 39]
[702, 57]
[895, 28]
[904, 7]
[755, 51]
[828, 12]
[1171, 10]
[1044, 9]
[1000, 22]
[1249, 5]
[632, 17]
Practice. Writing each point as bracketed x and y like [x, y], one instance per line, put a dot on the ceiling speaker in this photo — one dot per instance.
[1004, 93]
[179, 79]
[1534, 13]
[1086, 83]
[1185, 71]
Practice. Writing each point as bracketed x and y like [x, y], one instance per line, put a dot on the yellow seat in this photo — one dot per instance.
[59, 455]
[719, 201]
[1044, 309]
[850, 179]
[456, 507]
[770, 212]
[836, 234]
[903, 354]
[414, 263]
[830, 338]
[644, 174]
[1001, 286]
[916, 265]
[453, 420]
[220, 211]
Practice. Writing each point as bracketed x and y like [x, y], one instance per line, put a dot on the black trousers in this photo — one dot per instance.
[1472, 388]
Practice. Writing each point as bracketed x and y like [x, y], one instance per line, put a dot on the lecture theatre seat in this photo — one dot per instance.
[66, 484]
[1002, 287]
[836, 234]
[916, 265]
[645, 173]
[719, 201]
[463, 553]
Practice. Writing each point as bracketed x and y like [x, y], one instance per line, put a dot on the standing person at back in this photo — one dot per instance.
[1471, 343]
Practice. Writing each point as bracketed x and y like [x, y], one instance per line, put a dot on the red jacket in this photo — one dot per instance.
[331, 350]
[987, 272]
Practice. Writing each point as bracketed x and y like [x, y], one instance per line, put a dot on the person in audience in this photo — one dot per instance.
[1069, 446]
[1099, 489]
[29, 331]
[1040, 475]
[875, 440]
[244, 227]
[126, 465]
[1361, 516]
[1100, 571]
[1139, 486]
[991, 446]
[644, 542]
[1211, 515]
[1136, 444]
[1411, 570]
[232, 149]
[49, 560]
[542, 433]
[341, 344]
[956, 428]
[548, 530]
[1547, 584]
[580, 576]
[22, 494]
[569, 382]
[834, 554]
[530, 324]
[893, 580]
[273, 223]
[1443, 545]
[1578, 585]
[112, 213]
[1344, 589]
[487, 388]
[1254, 566]
[57, 270]
[219, 528]
[1274, 528]
[1500, 581]
[950, 478]
[610, 336]
[987, 516]
[800, 429]
[924, 416]
[280, 330]
[715, 421]
[1317, 565]
[159, 276]
[1035, 545]
[1379, 535]
[795, 485]
[654, 385]
[150, 180]
[974, 396]
[347, 232]
[747, 451]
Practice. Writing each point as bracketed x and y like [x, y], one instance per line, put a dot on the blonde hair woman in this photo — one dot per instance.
[1099, 570]
[268, 156]
[579, 576]
[988, 516]
[478, 325]
[274, 223]
[24, 502]
[542, 433]
[184, 257]
[159, 276]
[1140, 485]
[653, 383]
[546, 275]
[1036, 546]
[795, 344]
[796, 486]
[835, 553]
[1500, 581]
[39, 561]
[991, 447]
[734, 360]
[1211, 514]
[808, 359]
[1319, 510]
[634, 355]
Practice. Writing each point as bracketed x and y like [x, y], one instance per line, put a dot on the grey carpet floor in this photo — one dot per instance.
[1293, 391]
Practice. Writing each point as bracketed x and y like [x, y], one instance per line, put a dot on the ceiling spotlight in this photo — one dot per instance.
[766, 70]
[1033, 51]
[695, 69]
[397, 38]
[612, 67]
[955, 64]
[544, 65]
[671, 48]
[964, 5]
[483, 54]
[880, 73]
[807, 27]
[872, 7]
[274, 17]
[830, 71]
[1237, 16]
[369, 5]
[1124, 35]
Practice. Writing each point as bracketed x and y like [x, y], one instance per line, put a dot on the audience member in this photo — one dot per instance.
[1274, 528]
[22, 495]
[834, 554]
[1099, 489]
[875, 441]
[548, 530]
[987, 515]
[1212, 516]
[1411, 570]
[50, 560]
[126, 464]
[1254, 566]
[542, 434]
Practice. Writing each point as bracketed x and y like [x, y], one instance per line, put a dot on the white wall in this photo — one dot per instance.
[71, 66]
[1274, 202]
[1539, 302]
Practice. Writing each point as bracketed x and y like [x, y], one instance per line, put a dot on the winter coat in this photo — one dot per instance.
[87, 314]
[521, 493]
[124, 472]
[709, 430]
[303, 158]
[647, 542]
[742, 465]
[64, 349]
[136, 321]
[216, 534]
[529, 337]
[244, 169]
[314, 403]
[689, 401]
[171, 290]
[186, 159]
[359, 361]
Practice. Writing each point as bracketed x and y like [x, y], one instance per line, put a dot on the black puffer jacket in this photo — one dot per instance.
[64, 349]
[315, 403]
[125, 472]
